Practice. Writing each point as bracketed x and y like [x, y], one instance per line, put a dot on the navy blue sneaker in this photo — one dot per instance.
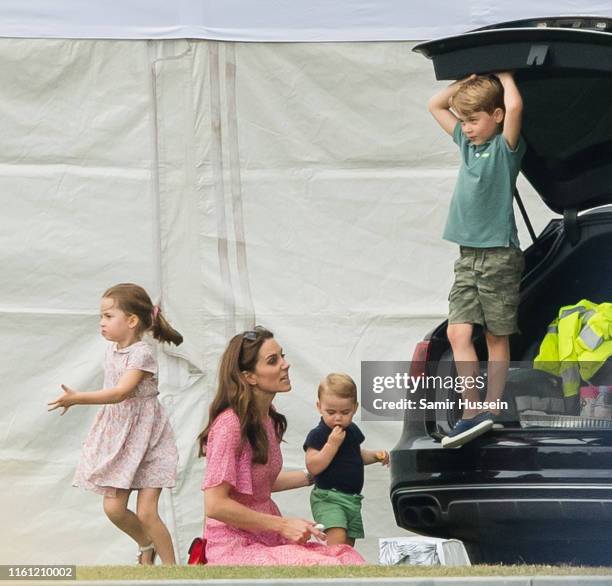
[467, 429]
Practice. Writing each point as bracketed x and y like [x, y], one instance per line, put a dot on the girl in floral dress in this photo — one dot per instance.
[130, 445]
[244, 466]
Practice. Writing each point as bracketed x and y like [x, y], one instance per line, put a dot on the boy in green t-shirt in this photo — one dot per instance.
[485, 122]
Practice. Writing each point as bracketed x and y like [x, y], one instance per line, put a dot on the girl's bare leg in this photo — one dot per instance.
[146, 509]
[116, 510]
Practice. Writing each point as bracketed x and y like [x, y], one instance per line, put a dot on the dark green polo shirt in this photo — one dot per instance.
[481, 213]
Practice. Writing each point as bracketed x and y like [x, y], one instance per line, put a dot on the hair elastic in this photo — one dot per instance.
[155, 313]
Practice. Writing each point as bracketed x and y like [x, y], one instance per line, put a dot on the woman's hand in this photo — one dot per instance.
[65, 401]
[299, 530]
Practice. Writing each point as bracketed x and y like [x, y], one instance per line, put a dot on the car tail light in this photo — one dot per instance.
[420, 357]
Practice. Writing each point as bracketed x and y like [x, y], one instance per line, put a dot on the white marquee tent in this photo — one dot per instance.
[302, 186]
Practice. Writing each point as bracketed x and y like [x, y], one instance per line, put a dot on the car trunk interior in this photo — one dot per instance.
[565, 276]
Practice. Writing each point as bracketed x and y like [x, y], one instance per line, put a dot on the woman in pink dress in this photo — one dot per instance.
[244, 465]
[130, 445]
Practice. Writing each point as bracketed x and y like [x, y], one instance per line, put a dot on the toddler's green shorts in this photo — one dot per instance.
[334, 508]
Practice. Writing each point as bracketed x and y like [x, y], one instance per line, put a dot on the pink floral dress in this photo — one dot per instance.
[251, 485]
[130, 444]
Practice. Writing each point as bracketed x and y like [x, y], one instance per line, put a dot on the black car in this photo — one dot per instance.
[529, 493]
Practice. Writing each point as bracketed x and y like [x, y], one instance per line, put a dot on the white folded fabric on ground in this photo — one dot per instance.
[422, 551]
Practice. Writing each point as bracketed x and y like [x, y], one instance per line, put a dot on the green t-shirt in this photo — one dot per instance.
[481, 213]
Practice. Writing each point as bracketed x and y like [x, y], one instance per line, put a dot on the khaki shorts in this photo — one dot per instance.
[486, 289]
[334, 508]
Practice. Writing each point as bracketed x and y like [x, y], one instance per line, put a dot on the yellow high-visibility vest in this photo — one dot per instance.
[594, 344]
[577, 344]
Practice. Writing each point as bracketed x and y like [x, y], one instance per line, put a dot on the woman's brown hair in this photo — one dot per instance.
[233, 392]
[134, 300]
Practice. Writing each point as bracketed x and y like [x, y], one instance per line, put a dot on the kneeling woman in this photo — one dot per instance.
[242, 447]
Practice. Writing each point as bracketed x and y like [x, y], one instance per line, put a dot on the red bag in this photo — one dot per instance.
[197, 552]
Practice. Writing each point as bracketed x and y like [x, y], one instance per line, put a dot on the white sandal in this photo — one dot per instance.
[144, 548]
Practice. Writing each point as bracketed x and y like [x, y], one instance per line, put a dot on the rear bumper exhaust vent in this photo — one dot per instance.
[420, 512]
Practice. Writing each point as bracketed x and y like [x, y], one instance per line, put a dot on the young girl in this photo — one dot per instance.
[130, 445]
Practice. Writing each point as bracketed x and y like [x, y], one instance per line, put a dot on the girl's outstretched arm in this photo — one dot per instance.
[127, 383]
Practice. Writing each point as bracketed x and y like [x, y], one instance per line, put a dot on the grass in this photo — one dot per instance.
[262, 573]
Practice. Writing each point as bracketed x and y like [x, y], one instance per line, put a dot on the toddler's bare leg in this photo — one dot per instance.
[337, 535]
[146, 509]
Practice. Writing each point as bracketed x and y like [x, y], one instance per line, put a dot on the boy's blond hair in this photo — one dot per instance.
[483, 93]
[339, 384]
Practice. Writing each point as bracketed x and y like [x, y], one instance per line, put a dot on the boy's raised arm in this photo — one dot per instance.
[439, 106]
[513, 104]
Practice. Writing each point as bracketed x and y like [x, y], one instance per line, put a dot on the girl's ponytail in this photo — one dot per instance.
[133, 299]
[162, 330]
